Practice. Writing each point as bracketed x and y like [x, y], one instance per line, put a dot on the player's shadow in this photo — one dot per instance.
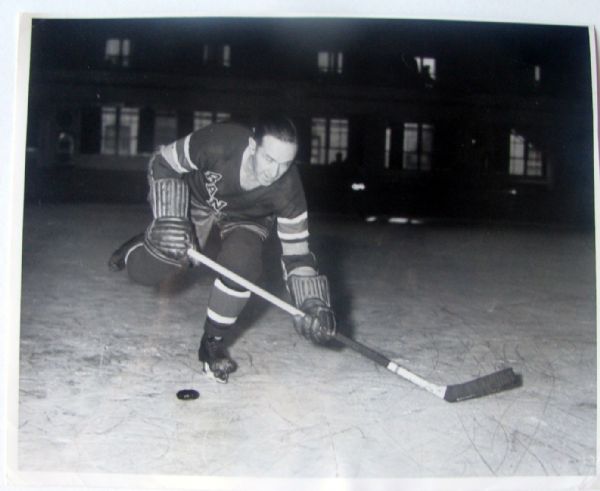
[191, 276]
[179, 282]
[271, 281]
[330, 252]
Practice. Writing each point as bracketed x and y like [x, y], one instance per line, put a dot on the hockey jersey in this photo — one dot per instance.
[209, 160]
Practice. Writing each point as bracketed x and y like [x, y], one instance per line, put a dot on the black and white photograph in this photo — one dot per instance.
[302, 248]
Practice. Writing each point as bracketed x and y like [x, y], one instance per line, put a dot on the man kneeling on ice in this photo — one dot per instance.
[241, 181]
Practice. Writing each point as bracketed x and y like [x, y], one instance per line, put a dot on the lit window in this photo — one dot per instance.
[537, 75]
[525, 158]
[165, 128]
[388, 148]
[117, 52]
[119, 130]
[226, 55]
[330, 62]
[216, 55]
[417, 148]
[318, 147]
[204, 118]
[329, 140]
[426, 67]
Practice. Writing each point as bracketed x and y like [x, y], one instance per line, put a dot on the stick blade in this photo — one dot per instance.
[489, 384]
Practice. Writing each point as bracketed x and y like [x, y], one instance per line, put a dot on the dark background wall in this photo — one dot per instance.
[484, 88]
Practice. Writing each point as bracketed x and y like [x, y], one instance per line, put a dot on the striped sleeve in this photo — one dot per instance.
[293, 234]
[177, 155]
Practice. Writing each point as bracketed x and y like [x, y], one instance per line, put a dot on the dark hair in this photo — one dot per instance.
[276, 125]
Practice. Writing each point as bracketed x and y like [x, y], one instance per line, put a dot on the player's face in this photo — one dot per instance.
[272, 157]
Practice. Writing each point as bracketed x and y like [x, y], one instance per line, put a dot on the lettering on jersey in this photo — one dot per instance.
[212, 178]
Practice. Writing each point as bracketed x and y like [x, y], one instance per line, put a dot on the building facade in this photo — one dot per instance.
[419, 118]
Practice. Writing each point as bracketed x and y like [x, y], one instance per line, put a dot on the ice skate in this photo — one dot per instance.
[215, 359]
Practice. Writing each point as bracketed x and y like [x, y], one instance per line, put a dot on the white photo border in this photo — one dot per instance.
[15, 33]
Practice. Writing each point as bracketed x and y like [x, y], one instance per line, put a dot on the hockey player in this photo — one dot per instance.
[243, 182]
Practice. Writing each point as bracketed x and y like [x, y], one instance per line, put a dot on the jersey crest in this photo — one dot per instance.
[212, 178]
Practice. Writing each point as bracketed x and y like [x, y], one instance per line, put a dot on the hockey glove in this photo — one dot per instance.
[311, 295]
[170, 234]
[169, 238]
[318, 324]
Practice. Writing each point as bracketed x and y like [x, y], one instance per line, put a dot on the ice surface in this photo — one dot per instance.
[102, 359]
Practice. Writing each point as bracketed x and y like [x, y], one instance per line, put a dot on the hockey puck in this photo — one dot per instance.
[188, 394]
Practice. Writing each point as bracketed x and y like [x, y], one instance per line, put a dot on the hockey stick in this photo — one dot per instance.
[488, 384]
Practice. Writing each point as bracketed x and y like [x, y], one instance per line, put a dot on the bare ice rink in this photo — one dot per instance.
[101, 359]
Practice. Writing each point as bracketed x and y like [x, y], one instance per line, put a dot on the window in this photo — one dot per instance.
[525, 158]
[204, 118]
[417, 147]
[117, 52]
[426, 67]
[216, 55]
[330, 62]
[537, 75]
[329, 140]
[226, 59]
[165, 128]
[119, 130]
[388, 148]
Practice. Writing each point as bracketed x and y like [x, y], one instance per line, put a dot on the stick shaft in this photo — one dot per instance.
[346, 341]
[390, 365]
[201, 258]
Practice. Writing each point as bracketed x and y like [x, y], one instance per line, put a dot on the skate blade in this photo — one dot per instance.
[212, 376]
